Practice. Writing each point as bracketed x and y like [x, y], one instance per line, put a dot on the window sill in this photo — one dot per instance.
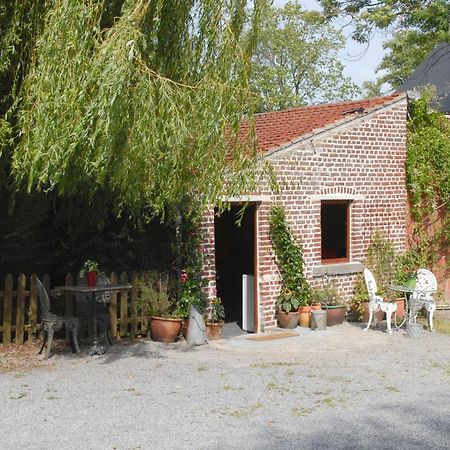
[338, 269]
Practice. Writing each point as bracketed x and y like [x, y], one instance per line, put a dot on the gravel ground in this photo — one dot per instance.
[334, 389]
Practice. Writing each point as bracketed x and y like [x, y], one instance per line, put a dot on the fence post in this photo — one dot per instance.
[123, 306]
[113, 306]
[32, 329]
[133, 305]
[20, 310]
[7, 309]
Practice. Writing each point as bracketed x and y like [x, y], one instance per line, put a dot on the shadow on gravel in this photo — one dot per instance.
[381, 428]
[144, 348]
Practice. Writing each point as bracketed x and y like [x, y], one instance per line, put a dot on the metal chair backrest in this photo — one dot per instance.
[425, 281]
[44, 301]
[371, 284]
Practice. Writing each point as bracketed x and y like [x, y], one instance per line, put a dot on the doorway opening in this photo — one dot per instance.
[235, 265]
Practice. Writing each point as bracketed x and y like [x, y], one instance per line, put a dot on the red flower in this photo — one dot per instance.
[183, 276]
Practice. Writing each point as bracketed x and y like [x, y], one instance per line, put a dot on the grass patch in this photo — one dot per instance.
[202, 368]
[329, 401]
[229, 387]
[338, 379]
[245, 412]
[275, 364]
[301, 412]
[392, 388]
[18, 396]
[276, 387]
[442, 326]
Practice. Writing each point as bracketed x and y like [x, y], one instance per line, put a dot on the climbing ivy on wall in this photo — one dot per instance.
[428, 179]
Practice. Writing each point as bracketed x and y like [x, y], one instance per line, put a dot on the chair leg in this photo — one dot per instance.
[44, 340]
[75, 338]
[388, 321]
[430, 313]
[49, 342]
[370, 319]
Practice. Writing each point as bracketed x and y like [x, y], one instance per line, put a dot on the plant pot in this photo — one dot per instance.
[304, 319]
[288, 320]
[91, 279]
[335, 314]
[378, 316]
[400, 307]
[163, 329]
[184, 327]
[214, 330]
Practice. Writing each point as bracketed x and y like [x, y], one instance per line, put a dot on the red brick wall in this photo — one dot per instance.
[363, 159]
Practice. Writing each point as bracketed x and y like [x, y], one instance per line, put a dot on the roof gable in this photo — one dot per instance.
[276, 129]
[435, 71]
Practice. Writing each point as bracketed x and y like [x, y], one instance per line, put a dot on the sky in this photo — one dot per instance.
[360, 62]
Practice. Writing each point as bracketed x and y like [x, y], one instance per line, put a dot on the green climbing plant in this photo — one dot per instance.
[295, 290]
[428, 179]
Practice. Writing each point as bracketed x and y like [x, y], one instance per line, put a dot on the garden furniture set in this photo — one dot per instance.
[87, 300]
[417, 297]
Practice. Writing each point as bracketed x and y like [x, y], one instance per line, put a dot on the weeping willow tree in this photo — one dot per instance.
[136, 104]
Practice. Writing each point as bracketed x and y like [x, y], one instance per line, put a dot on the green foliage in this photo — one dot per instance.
[417, 26]
[154, 297]
[89, 266]
[296, 60]
[138, 112]
[295, 289]
[190, 262]
[326, 293]
[428, 178]
[215, 311]
[387, 268]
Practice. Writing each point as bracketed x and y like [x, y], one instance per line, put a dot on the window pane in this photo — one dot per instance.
[334, 230]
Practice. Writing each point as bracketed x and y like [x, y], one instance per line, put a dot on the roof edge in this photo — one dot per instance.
[331, 126]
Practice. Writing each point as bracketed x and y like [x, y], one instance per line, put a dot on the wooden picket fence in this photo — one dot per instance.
[19, 308]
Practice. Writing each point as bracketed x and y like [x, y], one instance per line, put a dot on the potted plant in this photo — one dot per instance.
[295, 289]
[328, 296]
[154, 298]
[214, 322]
[90, 270]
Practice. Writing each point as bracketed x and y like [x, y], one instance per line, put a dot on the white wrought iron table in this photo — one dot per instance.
[407, 290]
[96, 349]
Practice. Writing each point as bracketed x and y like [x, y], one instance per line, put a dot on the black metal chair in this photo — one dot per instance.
[84, 308]
[52, 322]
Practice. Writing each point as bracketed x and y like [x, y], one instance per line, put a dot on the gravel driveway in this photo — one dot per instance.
[333, 389]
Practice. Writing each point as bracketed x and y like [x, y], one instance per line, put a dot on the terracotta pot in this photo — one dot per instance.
[400, 307]
[377, 317]
[91, 279]
[163, 329]
[288, 320]
[335, 314]
[214, 330]
[184, 327]
[304, 319]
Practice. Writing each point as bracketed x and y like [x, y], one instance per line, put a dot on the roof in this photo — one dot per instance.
[435, 71]
[275, 129]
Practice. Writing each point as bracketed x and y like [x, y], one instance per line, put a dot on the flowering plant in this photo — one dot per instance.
[215, 311]
[89, 266]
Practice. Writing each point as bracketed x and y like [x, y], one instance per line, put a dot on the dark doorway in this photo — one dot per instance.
[235, 256]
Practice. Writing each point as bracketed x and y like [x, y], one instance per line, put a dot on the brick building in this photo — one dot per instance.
[341, 168]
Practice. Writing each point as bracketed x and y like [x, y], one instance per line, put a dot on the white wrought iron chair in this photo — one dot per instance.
[422, 296]
[376, 302]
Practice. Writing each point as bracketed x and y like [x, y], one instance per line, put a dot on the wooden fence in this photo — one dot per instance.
[19, 308]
